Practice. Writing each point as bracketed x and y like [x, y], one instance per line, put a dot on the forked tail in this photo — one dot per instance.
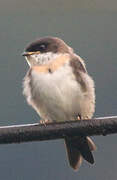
[77, 148]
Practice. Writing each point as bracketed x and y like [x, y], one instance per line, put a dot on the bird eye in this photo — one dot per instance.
[42, 47]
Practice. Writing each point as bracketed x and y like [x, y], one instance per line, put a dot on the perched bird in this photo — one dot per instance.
[59, 88]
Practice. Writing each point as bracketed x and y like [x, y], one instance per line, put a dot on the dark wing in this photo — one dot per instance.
[79, 68]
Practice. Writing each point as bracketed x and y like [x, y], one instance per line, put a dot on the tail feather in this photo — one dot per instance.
[74, 156]
[91, 144]
[77, 148]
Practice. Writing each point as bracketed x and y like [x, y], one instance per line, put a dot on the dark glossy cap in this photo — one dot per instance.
[48, 44]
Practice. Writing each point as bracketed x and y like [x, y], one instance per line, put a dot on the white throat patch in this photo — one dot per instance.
[40, 59]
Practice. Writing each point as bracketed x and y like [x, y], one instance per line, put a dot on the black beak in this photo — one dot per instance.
[25, 54]
[30, 53]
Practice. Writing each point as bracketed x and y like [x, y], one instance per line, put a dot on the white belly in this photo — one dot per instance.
[58, 96]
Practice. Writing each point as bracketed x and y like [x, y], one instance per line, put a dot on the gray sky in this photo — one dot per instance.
[90, 27]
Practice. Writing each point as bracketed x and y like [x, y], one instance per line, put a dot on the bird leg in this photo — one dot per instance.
[45, 121]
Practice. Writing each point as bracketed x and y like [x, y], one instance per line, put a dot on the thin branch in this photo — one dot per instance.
[39, 132]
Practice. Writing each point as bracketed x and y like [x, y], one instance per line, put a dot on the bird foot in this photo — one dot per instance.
[78, 118]
[45, 121]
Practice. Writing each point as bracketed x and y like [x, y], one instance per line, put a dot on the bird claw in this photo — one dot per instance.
[45, 121]
[78, 118]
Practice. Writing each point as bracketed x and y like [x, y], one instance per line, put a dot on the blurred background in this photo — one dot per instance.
[90, 27]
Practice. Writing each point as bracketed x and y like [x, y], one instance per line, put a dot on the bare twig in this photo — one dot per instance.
[39, 132]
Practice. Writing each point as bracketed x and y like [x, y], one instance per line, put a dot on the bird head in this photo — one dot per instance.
[44, 50]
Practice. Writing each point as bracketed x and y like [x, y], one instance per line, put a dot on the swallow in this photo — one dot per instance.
[58, 86]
